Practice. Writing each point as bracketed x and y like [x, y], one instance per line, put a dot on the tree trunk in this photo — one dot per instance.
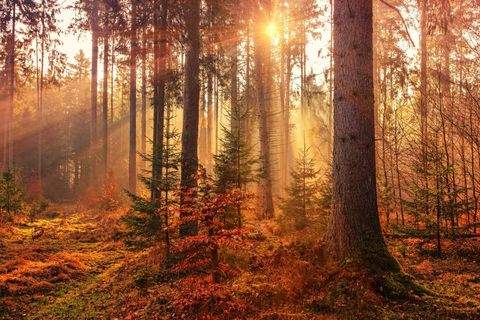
[190, 114]
[423, 7]
[94, 90]
[40, 97]
[354, 232]
[132, 155]
[112, 81]
[159, 69]
[330, 89]
[144, 97]
[11, 92]
[210, 119]
[235, 116]
[105, 105]
[262, 68]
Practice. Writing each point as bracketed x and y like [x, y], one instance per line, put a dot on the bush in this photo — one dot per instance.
[11, 195]
[36, 207]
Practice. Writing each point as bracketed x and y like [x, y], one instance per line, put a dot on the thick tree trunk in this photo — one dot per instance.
[132, 155]
[355, 231]
[190, 114]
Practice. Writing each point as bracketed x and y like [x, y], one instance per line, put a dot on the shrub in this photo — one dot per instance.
[11, 195]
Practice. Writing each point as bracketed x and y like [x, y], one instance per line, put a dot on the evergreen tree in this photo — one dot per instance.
[11, 195]
[151, 220]
[234, 164]
[444, 202]
[302, 191]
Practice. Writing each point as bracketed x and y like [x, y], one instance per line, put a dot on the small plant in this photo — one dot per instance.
[200, 253]
[302, 191]
[11, 195]
[36, 207]
[109, 198]
[234, 164]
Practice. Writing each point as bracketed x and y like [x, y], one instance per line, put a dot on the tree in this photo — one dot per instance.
[47, 25]
[160, 18]
[302, 191]
[354, 231]
[234, 164]
[151, 221]
[132, 158]
[263, 79]
[94, 86]
[11, 196]
[190, 111]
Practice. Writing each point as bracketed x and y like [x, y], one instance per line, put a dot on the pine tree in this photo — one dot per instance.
[444, 202]
[234, 164]
[302, 191]
[151, 220]
[11, 195]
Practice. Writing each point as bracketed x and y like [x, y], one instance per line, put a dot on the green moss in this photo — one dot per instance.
[399, 285]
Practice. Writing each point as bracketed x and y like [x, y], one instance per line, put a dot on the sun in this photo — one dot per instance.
[271, 30]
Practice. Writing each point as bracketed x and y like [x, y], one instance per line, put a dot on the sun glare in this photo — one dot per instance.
[272, 30]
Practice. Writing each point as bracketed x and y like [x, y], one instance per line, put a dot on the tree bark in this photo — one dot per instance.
[159, 69]
[105, 104]
[423, 7]
[40, 96]
[190, 114]
[94, 89]
[144, 97]
[132, 155]
[263, 74]
[355, 232]
[8, 156]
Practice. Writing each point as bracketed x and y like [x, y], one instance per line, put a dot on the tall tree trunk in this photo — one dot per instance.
[210, 119]
[397, 166]
[105, 104]
[330, 88]
[248, 98]
[159, 70]
[423, 8]
[94, 90]
[283, 124]
[112, 80]
[132, 155]
[354, 232]
[235, 117]
[144, 97]
[262, 69]
[383, 130]
[190, 113]
[40, 98]
[11, 91]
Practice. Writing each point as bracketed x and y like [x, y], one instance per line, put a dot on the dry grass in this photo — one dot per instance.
[81, 269]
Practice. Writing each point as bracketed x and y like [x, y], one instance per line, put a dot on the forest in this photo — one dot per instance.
[240, 159]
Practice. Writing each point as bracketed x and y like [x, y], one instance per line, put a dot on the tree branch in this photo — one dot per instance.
[391, 6]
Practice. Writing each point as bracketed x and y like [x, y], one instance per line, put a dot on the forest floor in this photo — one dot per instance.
[80, 268]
